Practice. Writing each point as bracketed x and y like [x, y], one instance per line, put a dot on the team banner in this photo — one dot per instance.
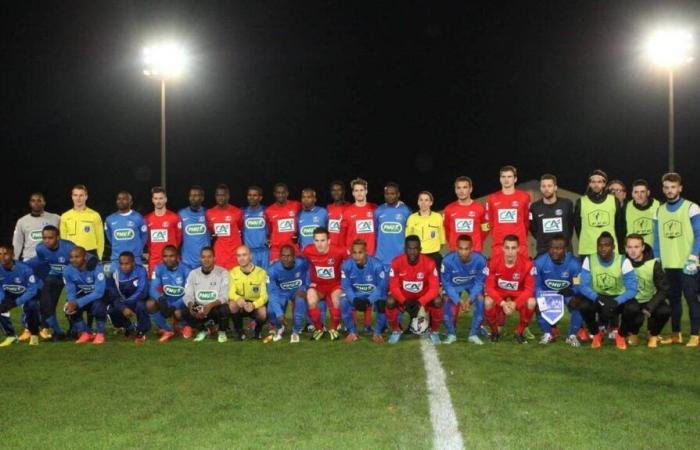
[551, 306]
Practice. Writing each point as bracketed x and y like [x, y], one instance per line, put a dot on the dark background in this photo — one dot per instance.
[306, 92]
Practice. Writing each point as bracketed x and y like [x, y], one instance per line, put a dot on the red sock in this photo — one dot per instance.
[455, 313]
[335, 316]
[392, 315]
[315, 316]
[525, 316]
[368, 316]
[435, 317]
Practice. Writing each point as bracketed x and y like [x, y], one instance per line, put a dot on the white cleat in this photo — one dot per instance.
[546, 339]
[294, 339]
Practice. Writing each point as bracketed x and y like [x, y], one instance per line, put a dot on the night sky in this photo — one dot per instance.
[307, 92]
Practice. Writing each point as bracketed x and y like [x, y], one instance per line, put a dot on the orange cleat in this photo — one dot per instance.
[555, 332]
[582, 335]
[350, 338]
[187, 332]
[378, 339]
[26, 334]
[140, 339]
[166, 336]
[99, 339]
[84, 338]
[620, 342]
[597, 340]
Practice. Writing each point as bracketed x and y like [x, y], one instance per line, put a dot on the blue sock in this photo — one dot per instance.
[160, 322]
[448, 318]
[300, 313]
[576, 321]
[477, 317]
[80, 327]
[100, 326]
[544, 326]
[346, 312]
[53, 323]
[380, 323]
[129, 324]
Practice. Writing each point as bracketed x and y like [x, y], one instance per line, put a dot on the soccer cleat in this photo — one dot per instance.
[166, 336]
[451, 338]
[267, 339]
[495, 337]
[350, 338]
[528, 334]
[45, 334]
[221, 338]
[84, 338]
[583, 335]
[483, 331]
[201, 336]
[241, 336]
[318, 334]
[26, 334]
[34, 339]
[394, 337]
[476, 340]
[187, 332]
[676, 338]
[653, 341]
[573, 341]
[633, 340]
[694, 341]
[140, 338]
[435, 338]
[333, 334]
[597, 341]
[378, 339]
[294, 338]
[546, 339]
[368, 330]
[9, 340]
[520, 338]
[620, 342]
[99, 339]
[613, 334]
[278, 336]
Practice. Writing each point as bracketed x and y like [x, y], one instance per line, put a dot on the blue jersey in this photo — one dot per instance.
[126, 233]
[132, 286]
[167, 283]
[55, 260]
[254, 227]
[283, 282]
[308, 222]
[18, 282]
[84, 286]
[195, 235]
[554, 277]
[369, 281]
[457, 276]
[391, 231]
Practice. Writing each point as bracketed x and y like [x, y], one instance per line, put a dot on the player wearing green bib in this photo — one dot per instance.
[677, 244]
[640, 212]
[595, 212]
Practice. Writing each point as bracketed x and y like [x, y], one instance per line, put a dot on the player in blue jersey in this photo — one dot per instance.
[365, 285]
[391, 220]
[129, 298]
[166, 292]
[195, 235]
[18, 287]
[310, 217]
[255, 229]
[287, 280]
[126, 230]
[463, 270]
[85, 290]
[559, 270]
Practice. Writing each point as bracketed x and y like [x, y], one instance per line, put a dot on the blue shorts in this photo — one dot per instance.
[261, 257]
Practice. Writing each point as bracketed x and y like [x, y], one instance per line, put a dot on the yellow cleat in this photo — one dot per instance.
[45, 334]
[34, 340]
[633, 339]
[676, 338]
[694, 341]
[9, 340]
[653, 342]
[26, 334]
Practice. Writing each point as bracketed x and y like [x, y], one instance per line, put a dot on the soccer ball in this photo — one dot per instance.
[420, 324]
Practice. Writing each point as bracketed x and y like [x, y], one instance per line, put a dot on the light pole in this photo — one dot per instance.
[163, 62]
[669, 49]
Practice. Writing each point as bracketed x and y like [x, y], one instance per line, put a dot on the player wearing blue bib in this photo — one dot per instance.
[129, 300]
[85, 289]
[126, 230]
[18, 287]
[287, 279]
[195, 235]
[310, 217]
[166, 292]
[391, 220]
[463, 270]
[255, 229]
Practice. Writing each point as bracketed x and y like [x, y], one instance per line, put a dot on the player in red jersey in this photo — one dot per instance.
[465, 216]
[281, 218]
[164, 228]
[413, 284]
[325, 261]
[508, 212]
[335, 213]
[358, 218]
[225, 223]
[510, 286]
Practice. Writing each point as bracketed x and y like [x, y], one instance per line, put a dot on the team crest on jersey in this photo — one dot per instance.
[201, 219]
[129, 223]
[18, 280]
[598, 218]
[420, 275]
[516, 276]
[166, 224]
[256, 289]
[86, 229]
[291, 213]
[331, 261]
[515, 204]
[135, 283]
[558, 212]
[672, 229]
[297, 274]
[369, 278]
[89, 279]
[227, 218]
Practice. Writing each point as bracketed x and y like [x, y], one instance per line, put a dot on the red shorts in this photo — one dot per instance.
[325, 291]
[506, 295]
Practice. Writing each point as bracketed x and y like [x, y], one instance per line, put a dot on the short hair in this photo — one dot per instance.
[411, 238]
[320, 230]
[123, 191]
[558, 237]
[549, 176]
[464, 179]
[511, 238]
[308, 189]
[465, 238]
[509, 169]
[359, 181]
[673, 177]
[257, 189]
[391, 184]
[196, 187]
[288, 246]
[171, 247]
[640, 182]
[50, 228]
[605, 235]
[634, 236]
[158, 190]
[361, 242]
[37, 194]
[280, 185]
[127, 254]
[336, 183]
[80, 187]
[599, 173]
[223, 187]
[428, 193]
[617, 182]
[7, 246]
[207, 249]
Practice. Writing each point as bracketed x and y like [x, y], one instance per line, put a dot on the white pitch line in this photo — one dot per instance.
[446, 433]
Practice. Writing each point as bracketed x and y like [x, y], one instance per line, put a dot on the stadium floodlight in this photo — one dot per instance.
[670, 49]
[163, 61]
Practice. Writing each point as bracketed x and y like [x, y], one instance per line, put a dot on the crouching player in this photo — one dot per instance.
[166, 290]
[287, 279]
[608, 283]
[129, 298]
[206, 296]
[19, 288]
[413, 284]
[559, 271]
[364, 286]
[247, 293]
[85, 292]
[463, 271]
[510, 287]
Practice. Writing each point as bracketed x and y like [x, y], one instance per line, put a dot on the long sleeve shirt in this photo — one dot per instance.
[457, 276]
[414, 281]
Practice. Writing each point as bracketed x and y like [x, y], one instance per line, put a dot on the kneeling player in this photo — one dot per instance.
[19, 287]
[247, 293]
[206, 296]
[413, 284]
[463, 271]
[129, 298]
[287, 279]
[510, 287]
[85, 292]
[364, 286]
[166, 291]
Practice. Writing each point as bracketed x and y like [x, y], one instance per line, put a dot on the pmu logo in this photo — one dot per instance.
[195, 229]
[552, 225]
[222, 229]
[507, 215]
[14, 289]
[123, 234]
[413, 286]
[555, 285]
[605, 281]
[285, 225]
[255, 223]
[642, 226]
[159, 235]
[464, 225]
[392, 228]
[363, 287]
[173, 291]
[35, 235]
[206, 296]
[598, 218]
[290, 285]
[673, 229]
[325, 273]
[307, 230]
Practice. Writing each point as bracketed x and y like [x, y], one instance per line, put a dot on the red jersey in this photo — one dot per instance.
[324, 269]
[282, 222]
[469, 220]
[360, 224]
[516, 283]
[335, 223]
[414, 282]
[225, 226]
[162, 231]
[508, 214]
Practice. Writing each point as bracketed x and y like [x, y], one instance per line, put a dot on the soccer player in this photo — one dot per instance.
[640, 212]
[413, 285]
[597, 211]
[463, 271]
[247, 294]
[510, 287]
[310, 217]
[558, 270]
[206, 296]
[281, 218]
[85, 291]
[336, 228]
[255, 229]
[29, 227]
[619, 190]
[608, 283]
[126, 231]
[324, 269]
[508, 212]
[391, 225]
[550, 215]
[81, 225]
[129, 298]
[677, 244]
[18, 287]
[287, 279]
[164, 228]
[225, 223]
[465, 217]
[364, 284]
[167, 289]
[428, 226]
[652, 287]
[195, 235]
[358, 218]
